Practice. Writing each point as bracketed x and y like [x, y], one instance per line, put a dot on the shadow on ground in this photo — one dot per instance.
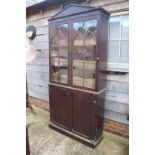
[46, 141]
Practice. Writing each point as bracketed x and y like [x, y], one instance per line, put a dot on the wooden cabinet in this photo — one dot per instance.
[78, 38]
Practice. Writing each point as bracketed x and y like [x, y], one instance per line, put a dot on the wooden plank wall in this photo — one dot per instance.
[116, 100]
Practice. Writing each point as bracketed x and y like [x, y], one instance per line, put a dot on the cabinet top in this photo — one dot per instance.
[75, 9]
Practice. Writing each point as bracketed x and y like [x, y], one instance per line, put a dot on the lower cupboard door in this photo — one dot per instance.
[62, 107]
[83, 120]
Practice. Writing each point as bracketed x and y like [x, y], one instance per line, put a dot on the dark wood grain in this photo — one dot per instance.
[27, 143]
[62, 107]
[82, 116]
[74, 112]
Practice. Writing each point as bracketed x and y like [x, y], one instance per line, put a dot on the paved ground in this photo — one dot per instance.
[45, 141]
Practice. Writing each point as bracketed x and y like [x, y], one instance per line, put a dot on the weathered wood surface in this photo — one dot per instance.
[47, 13]
[39, 23]
[38, 68]
[38, 75]
[115, 106]
[39, 95]
[38, 88]
[119, 117]
[115, 102]
[96, 3]
[40, 19]
[41, 45]
[114, 5]
[120, 107]
[40, 61]
[42, 86]
[115, 114]
[38, 82]
[43, 30]
[115, 67]
[121, 87]
[43, 53]
[121, 78]
[116, 99]
[41, 38]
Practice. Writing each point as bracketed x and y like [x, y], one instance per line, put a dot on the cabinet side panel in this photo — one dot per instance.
[103, 44]
[99, 120]
[50, 102]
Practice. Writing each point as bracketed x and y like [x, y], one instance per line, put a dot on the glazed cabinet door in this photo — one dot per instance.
[84, 112]
[61, 107]
[84, 53]
[58, 58]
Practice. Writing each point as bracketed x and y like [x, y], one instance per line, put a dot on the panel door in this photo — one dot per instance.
[84, 114]
[62, 107]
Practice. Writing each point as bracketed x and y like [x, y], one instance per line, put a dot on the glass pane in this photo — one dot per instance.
[125, 27]
[114, 28]
[124, 58]
[78, 34]
[59, 53]
[84, 53]
[59, 70]
[90, 33]
[78, 53]
[113, 52]
[78, 73]
[89, 74]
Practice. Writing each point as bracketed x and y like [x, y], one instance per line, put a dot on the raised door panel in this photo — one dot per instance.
[83, 114]
[62, 107]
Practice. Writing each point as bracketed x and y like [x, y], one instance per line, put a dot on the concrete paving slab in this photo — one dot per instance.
[46, 141]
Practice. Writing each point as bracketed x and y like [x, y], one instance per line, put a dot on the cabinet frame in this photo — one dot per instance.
[80, 99]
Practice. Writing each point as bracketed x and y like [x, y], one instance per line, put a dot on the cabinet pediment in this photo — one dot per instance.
[74, 9]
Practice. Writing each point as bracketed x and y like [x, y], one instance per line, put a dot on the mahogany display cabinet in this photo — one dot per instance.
[78, 38]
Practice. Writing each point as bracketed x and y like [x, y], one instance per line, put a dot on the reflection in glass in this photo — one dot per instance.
[118, 39]
[113, 53]
[84, 53]
[124, 58]
[78, 73]
[114, 25]
[59, 53]
[89, 74]
[125, 27]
